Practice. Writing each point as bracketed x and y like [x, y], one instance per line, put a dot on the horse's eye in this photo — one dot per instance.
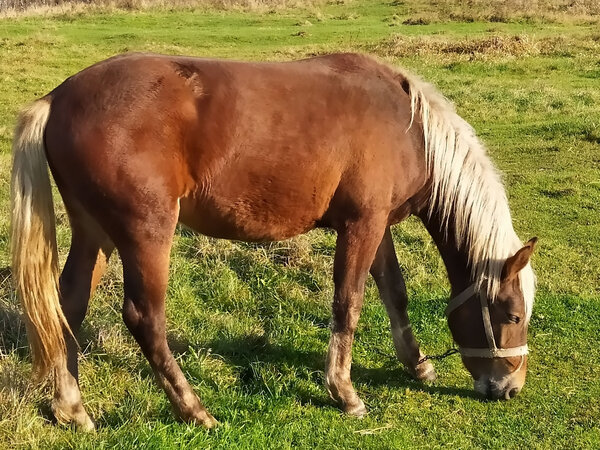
[513, 318]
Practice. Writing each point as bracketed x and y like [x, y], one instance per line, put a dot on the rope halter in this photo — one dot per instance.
[492, 351]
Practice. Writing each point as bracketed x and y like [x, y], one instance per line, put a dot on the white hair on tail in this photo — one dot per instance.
[467, 189]
[33, 240]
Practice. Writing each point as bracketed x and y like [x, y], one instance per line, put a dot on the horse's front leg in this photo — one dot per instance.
[356, 247]
[392, 290]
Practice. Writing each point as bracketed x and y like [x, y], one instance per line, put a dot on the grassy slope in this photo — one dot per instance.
[249, 323]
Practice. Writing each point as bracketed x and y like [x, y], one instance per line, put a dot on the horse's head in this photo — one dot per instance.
[492, 335]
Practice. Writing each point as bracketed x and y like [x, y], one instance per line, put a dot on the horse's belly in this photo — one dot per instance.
[262, 196]
[247, 220]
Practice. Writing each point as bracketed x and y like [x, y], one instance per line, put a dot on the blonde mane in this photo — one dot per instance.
[467, 189]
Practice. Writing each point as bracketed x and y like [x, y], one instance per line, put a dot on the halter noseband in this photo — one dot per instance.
[492, 351]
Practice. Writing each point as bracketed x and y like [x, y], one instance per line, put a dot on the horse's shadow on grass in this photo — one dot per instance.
[245, 352]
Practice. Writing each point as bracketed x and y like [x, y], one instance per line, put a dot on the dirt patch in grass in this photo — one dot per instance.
[558, 193]
[416, 21]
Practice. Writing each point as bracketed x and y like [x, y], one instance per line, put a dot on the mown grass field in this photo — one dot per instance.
[249, 323]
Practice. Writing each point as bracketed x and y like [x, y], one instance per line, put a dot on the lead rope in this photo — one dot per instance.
[450, 351]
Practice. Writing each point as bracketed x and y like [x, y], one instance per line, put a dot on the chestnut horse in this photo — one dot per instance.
[261, 152]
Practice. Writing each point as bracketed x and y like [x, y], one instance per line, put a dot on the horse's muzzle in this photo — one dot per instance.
[493, 390]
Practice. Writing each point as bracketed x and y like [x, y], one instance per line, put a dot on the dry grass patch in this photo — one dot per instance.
[15, 8]
[483, 47]
[502, 10]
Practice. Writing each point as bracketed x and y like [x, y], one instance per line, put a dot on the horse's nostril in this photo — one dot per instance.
[512, 393]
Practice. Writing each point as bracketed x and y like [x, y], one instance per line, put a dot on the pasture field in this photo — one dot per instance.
[249, 323]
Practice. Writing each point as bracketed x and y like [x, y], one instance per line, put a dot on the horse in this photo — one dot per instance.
[261, 151]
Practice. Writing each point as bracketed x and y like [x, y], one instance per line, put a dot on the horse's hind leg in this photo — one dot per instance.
[144, 250]
[88, 256]
[392, 290]
[355, 251]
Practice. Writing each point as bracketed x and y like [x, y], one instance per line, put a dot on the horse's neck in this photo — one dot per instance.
[455, 259]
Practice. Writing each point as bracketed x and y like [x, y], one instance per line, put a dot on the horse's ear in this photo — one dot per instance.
[514, 264]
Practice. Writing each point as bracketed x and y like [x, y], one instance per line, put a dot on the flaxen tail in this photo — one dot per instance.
[33, 239]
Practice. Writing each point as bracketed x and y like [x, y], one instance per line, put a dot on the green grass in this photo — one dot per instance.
[248, 323]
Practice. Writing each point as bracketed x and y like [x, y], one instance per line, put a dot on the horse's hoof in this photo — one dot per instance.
[210, 422]
[204, 419]
[87, 425]
[425, 372]
[74, 415]
[357, 410]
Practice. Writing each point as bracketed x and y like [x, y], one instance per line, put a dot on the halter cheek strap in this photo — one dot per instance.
[492, 351]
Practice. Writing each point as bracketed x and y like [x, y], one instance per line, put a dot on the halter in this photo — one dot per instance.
[492, 351]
